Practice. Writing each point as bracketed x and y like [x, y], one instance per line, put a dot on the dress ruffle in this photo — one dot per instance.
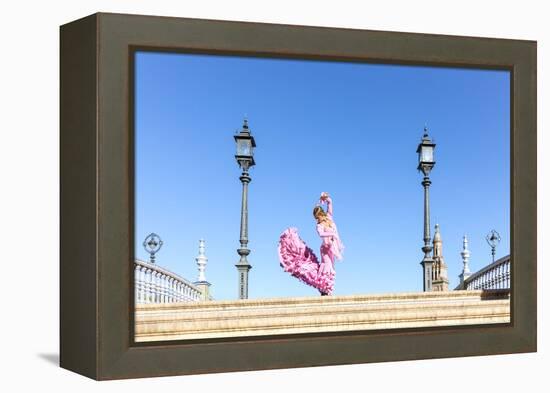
[300, 261]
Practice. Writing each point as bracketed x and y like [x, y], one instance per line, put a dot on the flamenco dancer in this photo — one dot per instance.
[299, 260]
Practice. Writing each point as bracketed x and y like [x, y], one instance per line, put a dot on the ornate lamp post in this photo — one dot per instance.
[245, 158]
[426, 162]
[493, 239]
[152, 245]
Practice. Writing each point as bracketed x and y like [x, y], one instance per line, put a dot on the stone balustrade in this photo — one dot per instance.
[256, 317]
[154, 284]
[493, 276]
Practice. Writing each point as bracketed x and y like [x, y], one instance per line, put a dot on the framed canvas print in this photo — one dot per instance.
[241, 196]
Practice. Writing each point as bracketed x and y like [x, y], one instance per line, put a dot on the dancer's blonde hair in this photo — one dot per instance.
[321, 216]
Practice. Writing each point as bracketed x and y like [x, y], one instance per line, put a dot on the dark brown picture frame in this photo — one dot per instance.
[96, 275]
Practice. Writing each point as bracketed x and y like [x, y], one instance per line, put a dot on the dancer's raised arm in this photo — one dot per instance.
[325, 197]
[329, 206]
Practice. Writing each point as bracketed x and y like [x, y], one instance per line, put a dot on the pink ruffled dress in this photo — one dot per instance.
[300, 261]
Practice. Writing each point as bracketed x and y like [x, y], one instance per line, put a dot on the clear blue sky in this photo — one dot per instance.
[346, 128]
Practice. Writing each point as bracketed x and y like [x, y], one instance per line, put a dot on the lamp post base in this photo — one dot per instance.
[427, 267]
[242, 270]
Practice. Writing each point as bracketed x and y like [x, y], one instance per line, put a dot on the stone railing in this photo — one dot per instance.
[154, 284]
[493, 276]
[256, 317]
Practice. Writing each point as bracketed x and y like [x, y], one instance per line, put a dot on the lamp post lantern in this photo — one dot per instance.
[245, 158]
[152, 245]
[426, 162]
[493, 239]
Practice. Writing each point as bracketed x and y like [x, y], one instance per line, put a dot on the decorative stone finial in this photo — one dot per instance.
[437, 242]
[201, 261]
[437, 234]
[440, 277]
[465, 253]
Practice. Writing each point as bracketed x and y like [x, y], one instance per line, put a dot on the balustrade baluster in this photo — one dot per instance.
[164, 288]
[158, 289]
[145, 285]
[141, 296]
[150, 285]
[172, 292]
[161, 289]
[136, 284]
[168, 289]
[153, 286]
[171, 286]
[149, 280]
